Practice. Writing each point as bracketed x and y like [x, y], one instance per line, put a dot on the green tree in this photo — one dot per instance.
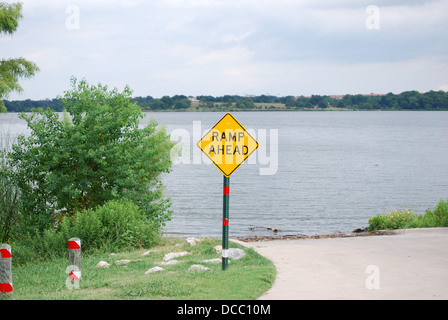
[182, 104]
[96, 153]
[167, 101]
[156, 104]
[11, 70]
[365, 106]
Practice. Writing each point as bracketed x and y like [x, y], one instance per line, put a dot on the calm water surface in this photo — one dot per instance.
[314, 173]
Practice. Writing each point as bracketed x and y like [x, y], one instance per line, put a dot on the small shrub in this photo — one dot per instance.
[118, 224]
[396, 219]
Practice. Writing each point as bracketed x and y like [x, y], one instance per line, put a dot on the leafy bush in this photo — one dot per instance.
[96, 153]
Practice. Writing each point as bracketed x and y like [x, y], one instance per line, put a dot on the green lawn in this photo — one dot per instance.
[247, 278]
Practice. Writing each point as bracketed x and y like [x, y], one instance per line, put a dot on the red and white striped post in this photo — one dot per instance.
[5, 269]
[74, 269]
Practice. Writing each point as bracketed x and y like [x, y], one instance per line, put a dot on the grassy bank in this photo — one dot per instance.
[406, 218]
[246, 278]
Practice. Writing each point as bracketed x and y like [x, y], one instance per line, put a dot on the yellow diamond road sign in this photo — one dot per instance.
[228, 144]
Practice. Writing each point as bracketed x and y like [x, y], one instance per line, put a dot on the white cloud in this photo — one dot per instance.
[229, 56]
[422, 15]
[178, 23]
[51, 4]
[227, 46]
[48, 59]
[96, 56]
[190, 3]
[129, 3]
[231, 37]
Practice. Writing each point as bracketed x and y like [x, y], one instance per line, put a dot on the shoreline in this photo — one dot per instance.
[357, 233]
[361, 233]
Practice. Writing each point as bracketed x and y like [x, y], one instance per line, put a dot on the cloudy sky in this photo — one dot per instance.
[218, 47]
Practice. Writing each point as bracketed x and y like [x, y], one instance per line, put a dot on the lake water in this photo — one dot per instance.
[314, 172]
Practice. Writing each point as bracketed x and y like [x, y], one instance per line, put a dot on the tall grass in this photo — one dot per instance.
[405, 219]
[438, 217]
[9, 193]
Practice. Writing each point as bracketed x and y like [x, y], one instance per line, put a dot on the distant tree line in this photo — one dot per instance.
[408, 100]
[27, 105]
[177, 102]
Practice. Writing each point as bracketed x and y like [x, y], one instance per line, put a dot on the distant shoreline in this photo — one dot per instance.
[287, 110]
[407, 100]
[273, 110]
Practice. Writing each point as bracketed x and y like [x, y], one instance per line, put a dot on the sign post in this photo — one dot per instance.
[225, 222]
[227, 145]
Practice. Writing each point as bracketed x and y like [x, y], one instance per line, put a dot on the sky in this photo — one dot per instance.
[235, 47]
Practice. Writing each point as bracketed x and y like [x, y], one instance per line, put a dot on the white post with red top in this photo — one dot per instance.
[74, 270]
[5, 269]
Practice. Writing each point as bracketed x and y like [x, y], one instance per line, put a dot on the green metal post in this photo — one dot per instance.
[225, 223]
